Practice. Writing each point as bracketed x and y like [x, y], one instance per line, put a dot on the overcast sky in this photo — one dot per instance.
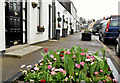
[96, 9]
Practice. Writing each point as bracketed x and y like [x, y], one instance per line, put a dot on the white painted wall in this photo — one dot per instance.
[2, 25]
[32, 35]
[61, 9]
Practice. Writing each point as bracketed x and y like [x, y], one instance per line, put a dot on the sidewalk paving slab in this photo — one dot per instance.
[22, 51]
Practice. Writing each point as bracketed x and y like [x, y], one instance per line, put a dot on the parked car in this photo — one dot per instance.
[96, 28]
[109, 30]
[117, 45]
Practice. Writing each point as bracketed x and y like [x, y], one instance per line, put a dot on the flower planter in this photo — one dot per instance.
[86, 36]
[34, 4]
[40, 29]
[74, 65]
[57, 32]
[64, 32]
[72, 32]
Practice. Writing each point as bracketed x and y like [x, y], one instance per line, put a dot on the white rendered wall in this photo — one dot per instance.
[2, 25]
[61, 9]
[32, 35]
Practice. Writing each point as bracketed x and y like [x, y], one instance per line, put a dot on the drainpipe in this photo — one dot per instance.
[53, 19]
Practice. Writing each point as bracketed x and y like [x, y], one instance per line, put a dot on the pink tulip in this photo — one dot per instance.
[49, 67]
[53, 73]
[100, 82]
[45, 54]
[77, 65]
[22, 66]
[97, 77]
[41, 63]
[114, 80]
[64, 72]
[74, 56]
[29, 66]
[55, 59]
[91, 60]
[51, 56]
[40, 60]
[96, 73]
[93, 57]
[82, 63]
[50, 62]
[62, 58]
[61, 69]
[109, 78]
[88, 56]
[104, 81]
[36, 68]
[101, 70]
[82, 53]
[53, 69]
[68, 52]
[73, 52]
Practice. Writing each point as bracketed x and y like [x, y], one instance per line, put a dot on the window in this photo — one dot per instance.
[115, 23]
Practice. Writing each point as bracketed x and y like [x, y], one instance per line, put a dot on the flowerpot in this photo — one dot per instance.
[34, 4]
[40, 29]
[64, 32]
[72, 32]
[57, 32]
[86, 36]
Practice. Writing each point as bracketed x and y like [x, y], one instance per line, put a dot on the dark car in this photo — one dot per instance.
[96, 28]
[117, 45]
[109, 30]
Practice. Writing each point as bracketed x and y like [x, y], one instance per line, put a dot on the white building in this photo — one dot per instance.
[31, 21]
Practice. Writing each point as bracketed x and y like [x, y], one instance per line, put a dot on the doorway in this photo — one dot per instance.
[14, 22]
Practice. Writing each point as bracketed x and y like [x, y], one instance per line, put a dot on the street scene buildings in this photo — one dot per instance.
[29, 27]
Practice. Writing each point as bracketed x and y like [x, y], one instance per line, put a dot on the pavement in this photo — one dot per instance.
[11, 65]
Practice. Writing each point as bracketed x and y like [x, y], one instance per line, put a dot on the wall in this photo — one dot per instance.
[61, 9]
[2, 25]
[32, 35]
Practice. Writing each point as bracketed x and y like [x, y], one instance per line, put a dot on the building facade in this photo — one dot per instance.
[33, 21]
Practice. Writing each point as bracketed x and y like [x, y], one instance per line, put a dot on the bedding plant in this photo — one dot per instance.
[73, 65]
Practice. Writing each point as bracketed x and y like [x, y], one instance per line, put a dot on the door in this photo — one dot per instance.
[13, 23]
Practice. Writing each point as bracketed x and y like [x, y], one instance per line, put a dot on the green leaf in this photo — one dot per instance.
[92, 68]
[44, 57]
[78, 58]
[85, 68]
[42, 54]
[82, 76]
[75, 48]
[57, 50]
[70, 66]
[96, 53]
[105, 68]
[98, 65]
[98, 58]
[86, 50]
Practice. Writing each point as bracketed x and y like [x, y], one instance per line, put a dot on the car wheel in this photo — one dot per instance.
[117, 50]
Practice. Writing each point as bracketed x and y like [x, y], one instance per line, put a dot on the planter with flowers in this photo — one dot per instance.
[72, 31]
[73, 65]
[86, 35]
[40, 29]
[64, 32]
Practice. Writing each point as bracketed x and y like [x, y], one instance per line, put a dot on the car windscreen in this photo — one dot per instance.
[114, 23]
